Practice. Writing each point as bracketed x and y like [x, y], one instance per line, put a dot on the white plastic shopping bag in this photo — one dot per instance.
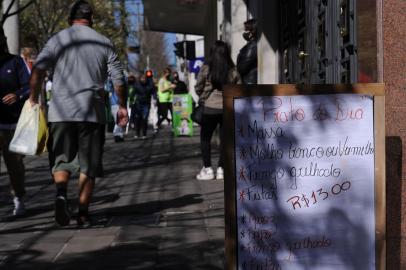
[25, 139]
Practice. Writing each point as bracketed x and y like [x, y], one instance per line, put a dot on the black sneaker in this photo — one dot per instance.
[118, 139]
[62, 215]
[84, 221]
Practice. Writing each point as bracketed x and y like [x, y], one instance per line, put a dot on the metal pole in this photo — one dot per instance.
[147, 61]
[186, 70]
[123, 21]
[11, 27]
[140, 35]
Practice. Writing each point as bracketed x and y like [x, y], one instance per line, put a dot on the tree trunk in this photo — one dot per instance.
[11, 27]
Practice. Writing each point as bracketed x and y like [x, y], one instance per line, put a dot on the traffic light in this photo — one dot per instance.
[189, 53]
[149, 74]
[190, 50]
[179, 49]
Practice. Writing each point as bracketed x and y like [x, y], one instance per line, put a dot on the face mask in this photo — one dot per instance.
[247, 36]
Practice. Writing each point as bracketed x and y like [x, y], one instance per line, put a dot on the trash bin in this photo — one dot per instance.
[182, 109]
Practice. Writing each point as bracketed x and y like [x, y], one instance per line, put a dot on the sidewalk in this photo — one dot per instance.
[151, 213]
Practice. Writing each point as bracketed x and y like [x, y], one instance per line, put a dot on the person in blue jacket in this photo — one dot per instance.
[143, 91]
[14, 91]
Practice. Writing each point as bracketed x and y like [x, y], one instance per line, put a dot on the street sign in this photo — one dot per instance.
[195, 65]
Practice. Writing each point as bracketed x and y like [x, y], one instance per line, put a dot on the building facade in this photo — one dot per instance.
[342, 41]
[320, 42]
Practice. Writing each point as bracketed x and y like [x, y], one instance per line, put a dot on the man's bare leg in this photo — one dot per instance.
[86, 186]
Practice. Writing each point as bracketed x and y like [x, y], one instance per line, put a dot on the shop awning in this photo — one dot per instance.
[176, 16]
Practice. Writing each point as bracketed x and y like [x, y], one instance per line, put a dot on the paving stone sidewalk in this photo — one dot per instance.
[150, 212]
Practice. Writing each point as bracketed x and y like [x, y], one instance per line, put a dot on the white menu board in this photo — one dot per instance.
[305, 182]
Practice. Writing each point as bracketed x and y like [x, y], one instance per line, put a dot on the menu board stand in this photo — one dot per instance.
[304, 177]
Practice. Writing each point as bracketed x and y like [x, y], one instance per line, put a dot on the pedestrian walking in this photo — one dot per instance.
[154, 112]
[131, 82]
[14, 91]
[218, 71]
[142, 94]
[165, 96]
[81, 58]
[48, 89]
[180, 86]
[118, 131]
[28, 54]
[247, 63]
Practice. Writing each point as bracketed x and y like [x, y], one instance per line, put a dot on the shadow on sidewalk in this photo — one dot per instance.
[140, 255]
[151, 207]
[103, 217]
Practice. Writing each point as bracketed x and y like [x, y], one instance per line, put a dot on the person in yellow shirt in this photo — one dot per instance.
[165, 96]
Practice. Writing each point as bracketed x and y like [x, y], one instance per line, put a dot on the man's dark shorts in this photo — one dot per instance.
[76, 146]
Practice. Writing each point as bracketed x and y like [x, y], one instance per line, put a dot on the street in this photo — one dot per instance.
[150, 212]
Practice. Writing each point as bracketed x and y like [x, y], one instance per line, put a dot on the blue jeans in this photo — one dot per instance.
[141, 113]
[14, 164]
[118, 131]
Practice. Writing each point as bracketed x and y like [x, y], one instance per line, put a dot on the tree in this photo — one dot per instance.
[44, 18]
[6, 12]
[40, 19]
[9, 10]
[153, 47]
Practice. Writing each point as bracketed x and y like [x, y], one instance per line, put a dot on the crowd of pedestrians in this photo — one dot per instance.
[86, 77]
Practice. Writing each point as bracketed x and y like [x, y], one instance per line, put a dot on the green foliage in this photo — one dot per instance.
[44, 18]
